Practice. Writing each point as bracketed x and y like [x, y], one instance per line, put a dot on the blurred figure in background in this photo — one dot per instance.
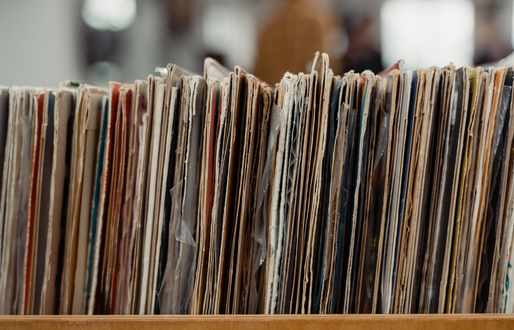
[490, 43]
[362, 54]
[301, 28]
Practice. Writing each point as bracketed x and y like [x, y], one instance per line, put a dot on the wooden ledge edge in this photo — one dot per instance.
[270, 322]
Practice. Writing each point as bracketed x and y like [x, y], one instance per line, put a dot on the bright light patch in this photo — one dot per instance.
[230, 31]
[512, 32]
[113, 15]
[427, 33]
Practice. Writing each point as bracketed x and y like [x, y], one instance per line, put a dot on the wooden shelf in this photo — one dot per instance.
[269, 322]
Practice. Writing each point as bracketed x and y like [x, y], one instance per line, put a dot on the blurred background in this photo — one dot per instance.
[45, 41]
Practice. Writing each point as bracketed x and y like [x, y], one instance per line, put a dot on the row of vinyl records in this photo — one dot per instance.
[218, 194]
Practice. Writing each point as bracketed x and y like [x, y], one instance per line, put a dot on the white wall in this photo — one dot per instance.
[41, 42]
[38, 45]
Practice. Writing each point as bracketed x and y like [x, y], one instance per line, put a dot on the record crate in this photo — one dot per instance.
[165, 226]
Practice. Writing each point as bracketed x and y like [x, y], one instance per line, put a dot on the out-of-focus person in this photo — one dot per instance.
[289, 42]
[362, 53]
[491, 47]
